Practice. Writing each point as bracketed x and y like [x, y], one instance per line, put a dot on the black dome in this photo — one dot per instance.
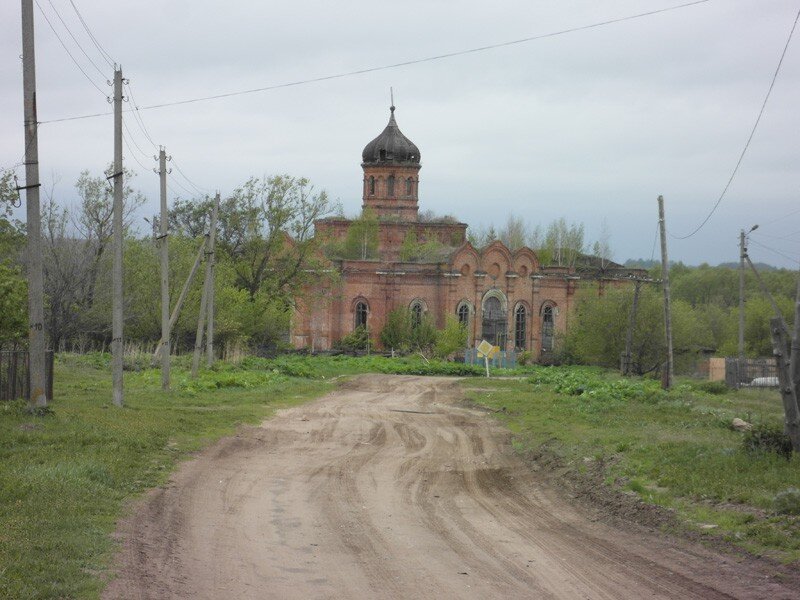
[391, 146]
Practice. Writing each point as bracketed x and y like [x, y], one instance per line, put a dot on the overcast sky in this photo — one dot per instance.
[589, 125]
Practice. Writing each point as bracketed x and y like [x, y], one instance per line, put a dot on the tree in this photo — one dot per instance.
[451, 339]
[396, 333]
[266, 226]
[514, 233]
[361, 242]
[564, 243]
[423, 334]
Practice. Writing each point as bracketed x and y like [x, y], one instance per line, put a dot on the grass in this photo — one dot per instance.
[673, 449]
[65, 476]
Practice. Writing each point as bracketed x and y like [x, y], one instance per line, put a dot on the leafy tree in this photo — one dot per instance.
[413, 250]
[565, 243]
[396, 333]
[423, 334]
[361, 242]
[451, 339]
[13, 304]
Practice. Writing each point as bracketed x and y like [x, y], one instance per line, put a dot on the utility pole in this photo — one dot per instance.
[669, 375]
[117, 342]
[741, 294]
[182, 297]
[210, 277]
[36, 334]
[198, 339]
[163, 242]
[742, 255]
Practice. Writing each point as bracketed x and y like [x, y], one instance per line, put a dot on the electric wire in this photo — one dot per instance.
[794, 212]
[133, 140]
[74, 39]
[397, 65]
[655, 239]
[63, 45]
[793, 259]
[106, 56]
[786, 238]
[200, 190]
[131, 153]
[750, 137]
[138, 117]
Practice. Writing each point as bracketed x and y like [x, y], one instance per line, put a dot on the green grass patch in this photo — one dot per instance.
[674, 449]
[64, 476]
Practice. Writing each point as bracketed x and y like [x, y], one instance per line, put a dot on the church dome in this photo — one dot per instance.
[391, 147]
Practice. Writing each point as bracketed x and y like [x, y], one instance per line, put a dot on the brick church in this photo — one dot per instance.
[505, 297]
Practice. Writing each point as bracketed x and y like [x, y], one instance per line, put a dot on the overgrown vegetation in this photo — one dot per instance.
[675, 449]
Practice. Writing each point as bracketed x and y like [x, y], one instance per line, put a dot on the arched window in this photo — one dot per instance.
[371, 186]
[548, 328]
[520, 327]
[362, 310]
[409, 186]
[463, 314]
[416, 313]
[390, 186]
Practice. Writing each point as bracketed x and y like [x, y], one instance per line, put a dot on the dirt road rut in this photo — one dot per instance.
[387, 489]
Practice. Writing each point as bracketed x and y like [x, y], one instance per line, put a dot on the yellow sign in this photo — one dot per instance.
[485, 348]
[493, 351]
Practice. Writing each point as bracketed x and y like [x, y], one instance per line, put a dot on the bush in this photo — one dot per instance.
[451, 339]
[716, 388]
[787, 502]
[358, 339]
[525, 357]
[768, 438]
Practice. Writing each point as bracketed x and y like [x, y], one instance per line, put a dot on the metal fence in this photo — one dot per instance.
[15, 379]
[751, 372]
[503, 359]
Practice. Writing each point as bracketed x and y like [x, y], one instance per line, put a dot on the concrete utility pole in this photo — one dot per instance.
[670, 371]
[742, 254]
[212, 242]
[36, 334]
[117, 342]
[198, 339]
[176, 311]
[164, 243]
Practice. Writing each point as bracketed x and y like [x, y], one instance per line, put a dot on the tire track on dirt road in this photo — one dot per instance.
[388, 488]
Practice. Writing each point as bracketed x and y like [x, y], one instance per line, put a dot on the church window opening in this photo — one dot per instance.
[371, 186]
[416, 313]
[548, 328]
[390, 186]
[409, 186]
[520, 327]
[361, 314]
[463, 314]
[495, 320]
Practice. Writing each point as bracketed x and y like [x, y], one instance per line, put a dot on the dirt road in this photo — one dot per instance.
[388, 489]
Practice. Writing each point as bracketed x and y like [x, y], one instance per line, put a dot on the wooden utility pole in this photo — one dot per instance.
[198, 339]
[669, 375]
[785, 364]
[626, 368]
[36, 334]
[117, 341]
[164, 243]
[212, 242]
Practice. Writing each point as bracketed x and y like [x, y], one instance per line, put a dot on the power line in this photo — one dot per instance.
[199, 189]
[400, 64]
[749, 139]
[106, 56]
[138, 118]
[794, 212]
[77, 64]
[74, 39]
[793, 259]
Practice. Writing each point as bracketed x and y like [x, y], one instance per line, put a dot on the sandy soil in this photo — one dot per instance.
[388, 489]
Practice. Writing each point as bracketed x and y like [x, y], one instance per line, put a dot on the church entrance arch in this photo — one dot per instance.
[495, 318]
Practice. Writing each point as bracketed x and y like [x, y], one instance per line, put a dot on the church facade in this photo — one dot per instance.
[507, 298]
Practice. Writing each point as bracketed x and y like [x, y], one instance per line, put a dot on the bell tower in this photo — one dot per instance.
[391, 175]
